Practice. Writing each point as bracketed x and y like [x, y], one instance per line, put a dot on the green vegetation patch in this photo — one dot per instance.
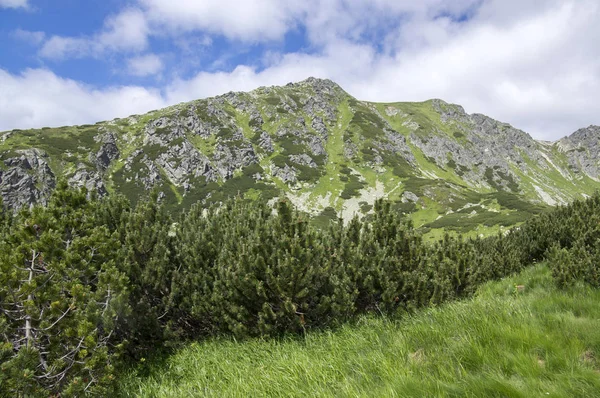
[352, 187]
[327, 216]
[292, 145]
[399, 165]
[272, 100]
[489, 176]
[514, 202]
[504, 343]
[417, 184]
[153, 150]
[365, 207]
[462, 223]
[208, 193]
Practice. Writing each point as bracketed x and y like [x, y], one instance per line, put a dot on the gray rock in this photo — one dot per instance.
[350, 149]
[265, 142]
[304, 160]
[449, 112]
[408, 196]
[319, 126]
[151, 177]
[182, 162]
[582, 149]
[287, 173]
[27, 180]
[316, 145]
[396, 143]
[228, 159]
[107, 152]
[489, 149]
[90, 179]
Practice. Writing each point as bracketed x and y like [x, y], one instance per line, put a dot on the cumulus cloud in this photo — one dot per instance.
[248, 20]
[145, 65]
[39, 98]
[538, 68]
[533, 64]
[126, 31]
[14, 4]
[31, 37]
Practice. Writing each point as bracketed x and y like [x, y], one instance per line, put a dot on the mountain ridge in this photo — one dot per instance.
[315, 144]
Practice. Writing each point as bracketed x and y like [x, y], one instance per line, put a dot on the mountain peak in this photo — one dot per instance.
[319, 84]
[587, 136]
[314, 81]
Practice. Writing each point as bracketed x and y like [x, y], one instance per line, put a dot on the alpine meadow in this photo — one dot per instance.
[225, 199]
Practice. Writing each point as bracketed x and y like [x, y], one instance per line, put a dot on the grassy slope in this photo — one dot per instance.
[538, 343]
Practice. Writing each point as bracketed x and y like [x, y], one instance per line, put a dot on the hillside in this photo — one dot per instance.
[541, 342]
[90, 284]
[329, 153]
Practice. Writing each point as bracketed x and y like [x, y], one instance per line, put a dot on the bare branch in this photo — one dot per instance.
[58, 320]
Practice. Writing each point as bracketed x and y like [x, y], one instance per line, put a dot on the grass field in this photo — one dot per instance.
[539, 342]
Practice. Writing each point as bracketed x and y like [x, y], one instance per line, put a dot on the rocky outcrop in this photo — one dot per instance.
[396, 143]
[408, 196]
[90, 179]
[350, 149]
[27, 179]
[325, 99]
[582, 149]
[304, 160]
[286, 173]
[227, 159]
[485, 155]
[182, 162]
[265, 142]
[108, 152]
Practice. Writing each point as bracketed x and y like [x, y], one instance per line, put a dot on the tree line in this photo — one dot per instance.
[87, 282]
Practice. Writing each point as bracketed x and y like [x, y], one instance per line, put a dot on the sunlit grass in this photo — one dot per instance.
[536, 343]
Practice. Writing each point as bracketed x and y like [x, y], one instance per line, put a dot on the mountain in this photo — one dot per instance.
[329, 153]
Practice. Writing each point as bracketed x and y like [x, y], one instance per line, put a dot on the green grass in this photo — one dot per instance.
[541, 342]
[330, 181]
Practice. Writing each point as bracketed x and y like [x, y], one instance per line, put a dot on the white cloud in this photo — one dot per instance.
[539, 69]
[31, 37]
[126, 31]
[39, 98]
[530, 63]
[145, 65]
[14, 4]
[354, 20]
[247, 20]
[263, 20]
[59, 47]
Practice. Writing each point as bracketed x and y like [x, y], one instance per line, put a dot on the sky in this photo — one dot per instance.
[532, 63]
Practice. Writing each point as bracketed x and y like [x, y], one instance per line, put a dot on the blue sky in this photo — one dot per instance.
[532, 63]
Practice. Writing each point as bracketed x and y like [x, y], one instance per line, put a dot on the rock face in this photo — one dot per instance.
[91, 180]
[27, 179]
[310, 141]
[582, 149]
[481, 150]
[286, 173]
[108, 151]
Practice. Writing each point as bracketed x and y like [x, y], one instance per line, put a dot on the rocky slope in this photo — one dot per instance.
[328, 152]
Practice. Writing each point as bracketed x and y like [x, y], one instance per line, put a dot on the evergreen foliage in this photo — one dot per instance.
[61, 295]
[86, 281]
